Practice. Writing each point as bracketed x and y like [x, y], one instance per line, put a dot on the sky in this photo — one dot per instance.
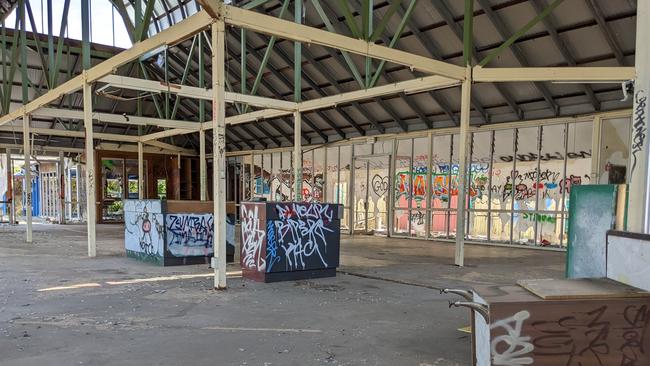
[107, 26]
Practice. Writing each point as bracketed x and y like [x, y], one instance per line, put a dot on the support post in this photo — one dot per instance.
[10, 189]
[27, 187]
[91, 208]
[638, 215]
[141, 193]
[297, 156]
[62, 187]
[203, 181]
[78, 191]
[463, 145]
[219, 151]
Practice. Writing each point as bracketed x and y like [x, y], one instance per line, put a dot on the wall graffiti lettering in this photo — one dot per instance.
[551, 219]
[545, 157]
[189, 234]
[272, 255]
[417, 217]
[582, 337]
[302, 231]
[379, 185]
[639, 127]
[252, 239]
[518, 347]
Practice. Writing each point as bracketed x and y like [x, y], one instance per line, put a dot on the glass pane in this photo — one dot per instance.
[307, 175]
[614, 151]
[344, 175]
[257, 174]
[246, 176]
[479, 170]
[319, 181]
[161, 188]
[548, 228]
[378, 194]
[402, 173]
[551, 169]
[418, 223]
[113, 178]
[578, 166]
[524, 228]
[132, 176]
[360, 191]
[383, 147]
[478, 225]
[287, 176]
[276, 176]
[362, 149]
[527, 149]
[500, 227]
[401, 222]
[267, 164]
[502, 170]
[440, 171]
[332, 175]
[439, 224]
[453, 174]
[420, 169]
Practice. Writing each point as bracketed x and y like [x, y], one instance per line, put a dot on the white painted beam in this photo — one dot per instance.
[285, 29]
[554, 74]
[166, 133]
[126, 82]
[116, 118]
[170, 148]
[91, 207]
[79, 134]
[171, 35]
[27, 185]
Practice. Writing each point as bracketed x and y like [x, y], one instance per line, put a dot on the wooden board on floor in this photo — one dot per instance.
[582, 288]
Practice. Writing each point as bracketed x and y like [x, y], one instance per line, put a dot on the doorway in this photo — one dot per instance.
[371, 194]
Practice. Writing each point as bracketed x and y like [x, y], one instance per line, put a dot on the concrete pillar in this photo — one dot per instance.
[62, 187]
[297, 156]
[219, 151]
[141, 188]
[462, 168]
[91, 207]
[27, 187]
[638, 215]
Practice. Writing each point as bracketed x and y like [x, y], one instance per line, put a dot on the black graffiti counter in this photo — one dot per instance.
[172, 232]
[289, 240]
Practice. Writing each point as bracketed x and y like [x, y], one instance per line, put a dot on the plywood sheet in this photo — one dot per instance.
[584, 288]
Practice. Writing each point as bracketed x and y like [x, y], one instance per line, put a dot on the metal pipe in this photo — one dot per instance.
[479, 308]
[466, 294]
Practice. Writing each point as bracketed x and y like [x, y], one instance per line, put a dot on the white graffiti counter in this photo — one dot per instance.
[284, 241]
[172, 232]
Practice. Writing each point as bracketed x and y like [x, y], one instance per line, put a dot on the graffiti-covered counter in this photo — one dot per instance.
[564, 322]
[172, 232]
[289, 241]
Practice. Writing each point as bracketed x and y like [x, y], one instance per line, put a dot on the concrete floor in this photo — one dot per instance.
[381, 309]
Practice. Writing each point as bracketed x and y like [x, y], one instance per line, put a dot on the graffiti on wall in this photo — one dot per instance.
[189, 234]
[252, 238]
[301, 236]
[143, 227]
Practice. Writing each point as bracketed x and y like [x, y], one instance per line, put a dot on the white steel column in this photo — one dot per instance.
[78, 192]
[91, 208]
[297, 156]
[462, 168]
[203, 178]
[141, 188]
[62, 187]
[10, 189]
[27, 187]
[639, 204]
[219, 152]
[68, 191]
